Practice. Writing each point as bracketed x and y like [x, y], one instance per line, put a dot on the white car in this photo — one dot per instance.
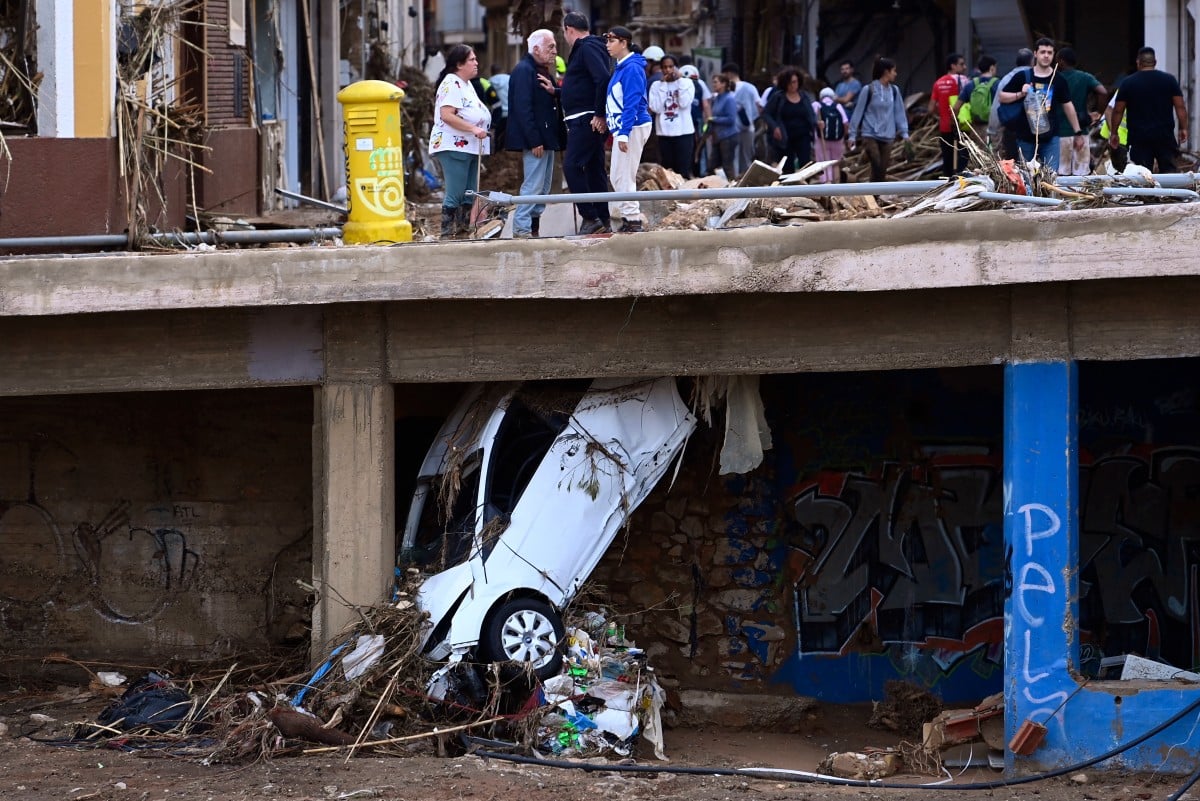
[536, 480]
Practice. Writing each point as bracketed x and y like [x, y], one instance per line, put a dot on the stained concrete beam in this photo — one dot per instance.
[937, 251]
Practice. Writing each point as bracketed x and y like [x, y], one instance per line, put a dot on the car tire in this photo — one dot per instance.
[526, 630]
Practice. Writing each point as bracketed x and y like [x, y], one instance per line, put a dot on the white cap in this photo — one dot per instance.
[827, 92]
[689, 71]
[653, 53]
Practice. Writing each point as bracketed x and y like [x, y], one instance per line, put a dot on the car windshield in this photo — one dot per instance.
[441, 541]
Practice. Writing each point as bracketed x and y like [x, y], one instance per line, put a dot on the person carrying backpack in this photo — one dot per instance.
[974, 105]
[832, 124]
[879, 117]
[1031, 103]
[946, 92]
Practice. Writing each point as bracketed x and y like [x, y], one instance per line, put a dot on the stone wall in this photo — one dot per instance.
[155, 525]
[866, 547]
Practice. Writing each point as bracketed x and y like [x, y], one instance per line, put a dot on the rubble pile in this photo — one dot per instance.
[377, 691]
[605, 697]
[904, 709]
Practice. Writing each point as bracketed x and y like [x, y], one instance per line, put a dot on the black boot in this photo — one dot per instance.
[448, 222]
[462, 221]
[535, 227]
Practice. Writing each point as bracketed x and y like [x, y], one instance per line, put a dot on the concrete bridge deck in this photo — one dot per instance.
[978, 249]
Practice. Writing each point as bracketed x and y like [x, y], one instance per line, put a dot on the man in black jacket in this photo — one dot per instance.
[533, 126]
[584, 88]
[1154, 104]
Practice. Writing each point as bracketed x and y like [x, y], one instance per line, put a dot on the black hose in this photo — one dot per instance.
[793, 776]
[1187, 785]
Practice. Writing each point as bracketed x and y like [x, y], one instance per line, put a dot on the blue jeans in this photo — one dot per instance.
[1047, 150]
[538, 176]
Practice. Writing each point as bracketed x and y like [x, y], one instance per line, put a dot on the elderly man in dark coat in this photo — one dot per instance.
[534, 126]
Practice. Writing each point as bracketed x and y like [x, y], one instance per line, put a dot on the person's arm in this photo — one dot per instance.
[598, 69]
[1181, 118]
[1068, 109]
[724, 109]
[1016, 89]
[901, 113]
[851, 93]
[633, 86]
[964, 97]
[856, 120]
[450, 116]
[657, 100]
[933, 99]
[770, 115]
[520, 118]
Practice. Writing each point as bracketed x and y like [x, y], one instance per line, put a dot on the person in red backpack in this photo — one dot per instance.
[946, 91]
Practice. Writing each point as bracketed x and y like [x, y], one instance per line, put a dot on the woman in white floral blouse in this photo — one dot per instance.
[459, 137]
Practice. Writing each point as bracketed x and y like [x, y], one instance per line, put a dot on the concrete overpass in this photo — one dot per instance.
[364, 328]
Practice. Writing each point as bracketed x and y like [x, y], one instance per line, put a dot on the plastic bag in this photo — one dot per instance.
[1037, 111]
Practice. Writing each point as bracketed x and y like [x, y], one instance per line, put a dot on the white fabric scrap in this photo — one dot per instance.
[746, 432]
[652, 729]
[365, 654]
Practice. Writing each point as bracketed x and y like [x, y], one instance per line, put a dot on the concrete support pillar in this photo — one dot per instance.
[354, 517]
[1041, 537]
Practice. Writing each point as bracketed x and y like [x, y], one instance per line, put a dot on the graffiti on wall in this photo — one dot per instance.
[896, 572]
[1034, 591]
[909, 556]
[1139, 554]
[111, 566]
[157, 560]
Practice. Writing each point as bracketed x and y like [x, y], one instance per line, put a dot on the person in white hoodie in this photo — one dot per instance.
[628, 118]
[671, 101]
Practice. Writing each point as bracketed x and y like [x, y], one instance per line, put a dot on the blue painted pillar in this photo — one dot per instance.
[1041, 538]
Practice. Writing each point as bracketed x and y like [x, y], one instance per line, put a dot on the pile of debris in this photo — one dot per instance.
[606, 696]
[377, 691]
[933, 737]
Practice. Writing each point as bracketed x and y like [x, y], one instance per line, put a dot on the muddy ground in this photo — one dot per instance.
[37, 771]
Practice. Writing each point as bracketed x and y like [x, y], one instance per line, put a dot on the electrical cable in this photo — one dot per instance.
[816, 778]
[1175, 796]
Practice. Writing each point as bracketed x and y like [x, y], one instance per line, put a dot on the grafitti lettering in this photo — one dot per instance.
[1138, 551]
[1029, 677]
[1031, 536]
[111, 567]
[904, 553]
[1119, 417]
[1025, 585]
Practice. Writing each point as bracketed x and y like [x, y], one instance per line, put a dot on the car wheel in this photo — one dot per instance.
[526, 630]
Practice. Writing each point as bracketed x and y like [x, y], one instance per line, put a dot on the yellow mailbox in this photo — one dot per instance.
[374, 163]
